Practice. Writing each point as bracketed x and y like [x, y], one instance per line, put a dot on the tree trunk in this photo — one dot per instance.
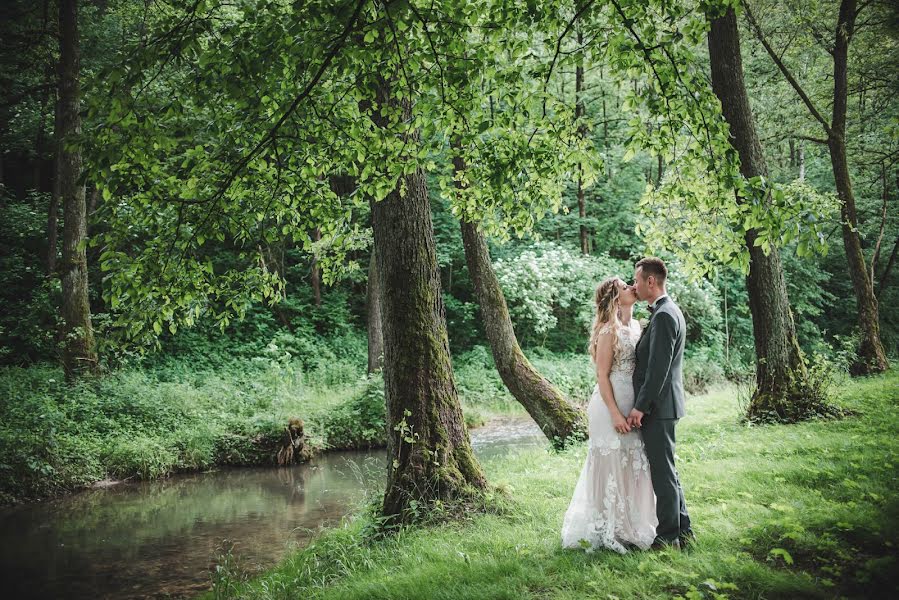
[79, 352]
[429, 453]
[558, 418]
[375, 327]
[579, 111]
[870, 357]
[884, 277]
[801, 161]
[316, 275]
[53, 210]
[781, 376]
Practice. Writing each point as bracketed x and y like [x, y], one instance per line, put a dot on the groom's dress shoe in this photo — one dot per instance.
[661, 544]
[687, 538]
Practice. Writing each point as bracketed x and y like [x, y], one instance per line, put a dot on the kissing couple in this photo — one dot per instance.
[628, 494]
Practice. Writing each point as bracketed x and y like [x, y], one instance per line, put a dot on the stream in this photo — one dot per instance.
[161, 539]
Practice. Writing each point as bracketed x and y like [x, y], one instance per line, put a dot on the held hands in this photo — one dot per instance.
[621, 424]
[635, 419]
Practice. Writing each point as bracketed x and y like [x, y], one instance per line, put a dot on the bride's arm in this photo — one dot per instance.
[603, 368]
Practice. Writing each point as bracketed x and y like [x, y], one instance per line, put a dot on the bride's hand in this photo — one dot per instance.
[620, 423]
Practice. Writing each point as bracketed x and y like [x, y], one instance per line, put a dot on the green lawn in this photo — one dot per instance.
[798, 511]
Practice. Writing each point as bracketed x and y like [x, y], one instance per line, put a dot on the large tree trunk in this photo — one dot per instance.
[79, 353]
[780, 372]
[429, 454]
[375, 327]
[871, 357]
[557, 417]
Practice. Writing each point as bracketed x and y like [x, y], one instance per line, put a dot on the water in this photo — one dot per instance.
[161, 539]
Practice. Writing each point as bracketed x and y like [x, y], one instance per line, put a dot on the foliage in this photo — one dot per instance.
[28, 321]
[177, 414]
[549, 289]
[361, 422]
[780, 511]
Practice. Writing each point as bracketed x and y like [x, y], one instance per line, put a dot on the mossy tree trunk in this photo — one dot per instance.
[429, 453]
[375, 327]
[781, 376]
[555, 415]
[79, 351]
[870, 356]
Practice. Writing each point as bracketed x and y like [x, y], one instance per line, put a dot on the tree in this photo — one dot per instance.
[555, 415]
[429, 455]
[579, 112]
[781, 377]
[871, 357]
[79, 353]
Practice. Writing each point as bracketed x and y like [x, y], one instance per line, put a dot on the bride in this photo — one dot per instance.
[613, 504]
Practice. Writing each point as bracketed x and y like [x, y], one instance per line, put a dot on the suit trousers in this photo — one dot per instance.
[671, 508]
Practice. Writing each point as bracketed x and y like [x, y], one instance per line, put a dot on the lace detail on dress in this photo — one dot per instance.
[613, 503]
[626, 358]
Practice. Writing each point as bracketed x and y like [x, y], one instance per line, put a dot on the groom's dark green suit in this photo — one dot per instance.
[659, 389]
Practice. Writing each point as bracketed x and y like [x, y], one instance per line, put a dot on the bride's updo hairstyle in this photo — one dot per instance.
[606, 299]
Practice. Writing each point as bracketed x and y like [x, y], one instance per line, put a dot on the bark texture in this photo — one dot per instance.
[871, 357]
[429, 453]
[556, 416]
[780, 370]
[579, 112]
[375, 324]
[79, 353]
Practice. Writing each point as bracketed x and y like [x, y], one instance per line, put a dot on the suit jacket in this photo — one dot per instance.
[658, 376]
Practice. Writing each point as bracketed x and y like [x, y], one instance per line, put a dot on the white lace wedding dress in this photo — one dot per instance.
[613, 503]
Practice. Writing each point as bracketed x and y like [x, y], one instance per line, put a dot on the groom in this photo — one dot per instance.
[659, 403]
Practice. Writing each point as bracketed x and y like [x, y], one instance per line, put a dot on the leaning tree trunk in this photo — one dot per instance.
[870, 357]
[79, 353]
[429, 456]
[781, 376]
[559, 420]
[375, 327]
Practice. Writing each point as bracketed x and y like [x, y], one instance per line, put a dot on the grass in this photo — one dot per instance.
[198, 412]
[147, 423]
[781, 511]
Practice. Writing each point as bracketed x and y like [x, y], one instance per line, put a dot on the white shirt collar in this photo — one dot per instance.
[653, 305]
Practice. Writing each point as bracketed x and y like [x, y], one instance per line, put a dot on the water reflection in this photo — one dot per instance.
[159, 539]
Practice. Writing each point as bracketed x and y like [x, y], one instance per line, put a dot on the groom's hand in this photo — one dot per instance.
[635, 419]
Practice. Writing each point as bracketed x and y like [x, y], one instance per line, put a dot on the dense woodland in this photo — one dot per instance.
[211, 204]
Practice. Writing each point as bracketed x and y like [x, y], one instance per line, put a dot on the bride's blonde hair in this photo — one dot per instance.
[606, 300]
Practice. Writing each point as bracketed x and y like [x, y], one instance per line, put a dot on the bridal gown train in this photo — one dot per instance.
[613, 503]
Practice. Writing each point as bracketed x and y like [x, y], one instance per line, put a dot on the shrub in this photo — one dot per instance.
[702, 369]
[360, 422]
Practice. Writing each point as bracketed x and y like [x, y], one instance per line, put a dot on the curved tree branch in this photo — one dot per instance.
[754, 26]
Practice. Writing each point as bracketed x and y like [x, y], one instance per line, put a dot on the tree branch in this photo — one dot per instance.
[809, 138]
[332, 52]
[783, 69]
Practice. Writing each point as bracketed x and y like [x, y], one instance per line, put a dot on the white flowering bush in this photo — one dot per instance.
[549, 289]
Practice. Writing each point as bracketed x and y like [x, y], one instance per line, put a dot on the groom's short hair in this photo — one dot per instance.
[653, 266]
